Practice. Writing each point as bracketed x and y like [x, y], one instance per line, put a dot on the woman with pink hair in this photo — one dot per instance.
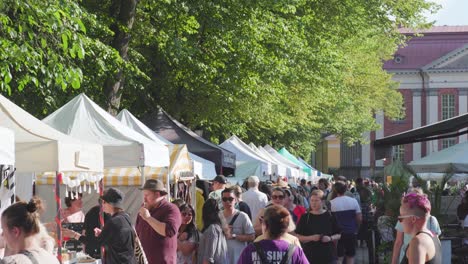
[424, 247]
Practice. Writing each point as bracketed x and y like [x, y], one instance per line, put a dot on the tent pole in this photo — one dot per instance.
[142, 175]
[58, 214]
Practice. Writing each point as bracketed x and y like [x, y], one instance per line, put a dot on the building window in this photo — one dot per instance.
[448, 142]
[448, 106]
[399, 152]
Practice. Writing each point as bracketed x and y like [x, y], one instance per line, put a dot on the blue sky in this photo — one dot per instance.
[452, 13]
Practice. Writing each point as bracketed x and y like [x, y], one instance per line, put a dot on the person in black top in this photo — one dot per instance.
[91, 221]
[117, 235]
[241, 205]
[317, 229]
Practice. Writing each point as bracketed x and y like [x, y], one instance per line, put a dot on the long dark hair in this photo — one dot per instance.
[210, 213]
[191, 228]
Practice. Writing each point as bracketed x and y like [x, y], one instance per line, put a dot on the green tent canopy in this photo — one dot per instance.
[285, 153]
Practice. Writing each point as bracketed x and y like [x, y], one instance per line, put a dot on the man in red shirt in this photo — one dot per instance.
[157, 224]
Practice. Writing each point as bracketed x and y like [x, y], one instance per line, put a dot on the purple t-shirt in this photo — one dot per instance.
[274, 252]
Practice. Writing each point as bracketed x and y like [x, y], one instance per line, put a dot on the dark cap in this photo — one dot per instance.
[221, 179]
[154, 185]
[113, 197]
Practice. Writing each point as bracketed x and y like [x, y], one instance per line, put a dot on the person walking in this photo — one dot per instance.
[218, 185]
[241, 205]
[317, 230]
[255, 199]
[347, 212]
[239, 229]
[20, 225]
[273, 249]
[157, 224]
[116, 235]
[424, 247]
[213, 247]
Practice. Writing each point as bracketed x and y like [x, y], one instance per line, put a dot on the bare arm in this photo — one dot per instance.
[359, 218]
[417, 251]
[305, 239]
[397, 247]
[245, 238]
[257, 223]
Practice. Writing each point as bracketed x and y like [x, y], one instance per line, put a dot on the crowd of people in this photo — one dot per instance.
[254, 223]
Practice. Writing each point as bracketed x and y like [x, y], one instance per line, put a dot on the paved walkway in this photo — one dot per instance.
[362, 256]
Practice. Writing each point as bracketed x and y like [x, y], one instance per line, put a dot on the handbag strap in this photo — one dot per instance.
[234, 218]
[260, 252]
[287, 258]
[30, 256]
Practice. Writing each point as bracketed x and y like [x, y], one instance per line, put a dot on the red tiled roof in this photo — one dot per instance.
[435, 43]
[437, 29]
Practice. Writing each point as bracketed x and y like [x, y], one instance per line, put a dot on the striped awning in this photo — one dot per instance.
[180, 167]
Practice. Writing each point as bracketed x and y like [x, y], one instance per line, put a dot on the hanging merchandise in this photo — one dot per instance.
[81, 182]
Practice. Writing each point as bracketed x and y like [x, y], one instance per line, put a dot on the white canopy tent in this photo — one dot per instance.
[247, 162]
[7, 146]
[7, 160]
[454, 158]
[278, 168]
[288, 169]
[203, 168]
[40, 148]
[296, 172]
[127, 154]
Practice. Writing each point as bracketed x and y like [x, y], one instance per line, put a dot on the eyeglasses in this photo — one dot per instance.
[228, 199]
[274, 197]
[186, 214]
[401, 217]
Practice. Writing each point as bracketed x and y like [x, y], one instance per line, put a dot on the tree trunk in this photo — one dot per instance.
[123, 11]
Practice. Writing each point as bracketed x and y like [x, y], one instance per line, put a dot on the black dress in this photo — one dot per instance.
[323, 224]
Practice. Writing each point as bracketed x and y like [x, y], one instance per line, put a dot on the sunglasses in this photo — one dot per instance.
[401, 217]
[274, 197]
[228, 199]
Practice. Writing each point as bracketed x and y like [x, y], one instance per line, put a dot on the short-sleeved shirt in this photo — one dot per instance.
[345, 209]
[432, 225]
[256, 200]
[212, 246]
[322, 224]
[39, 254]
[274, 251]
[160, 249]
[242, 226]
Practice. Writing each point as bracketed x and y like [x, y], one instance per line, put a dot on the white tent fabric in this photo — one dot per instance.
[288, 169]
[295, 170]
[7, 146]
[203, 168]
[454, 158]
[278, 168]
[40, 148]
[247, 162]
[123, 147]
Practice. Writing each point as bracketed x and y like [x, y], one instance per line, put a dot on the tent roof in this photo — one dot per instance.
[294, 168]
[172, 130]
[132, 122]
[201, 167]
[247, 162]
[7, 146]
[40, 148]
[123, 147]
[443, 129]
[285, 153]
[454, 159]
[278, 168]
